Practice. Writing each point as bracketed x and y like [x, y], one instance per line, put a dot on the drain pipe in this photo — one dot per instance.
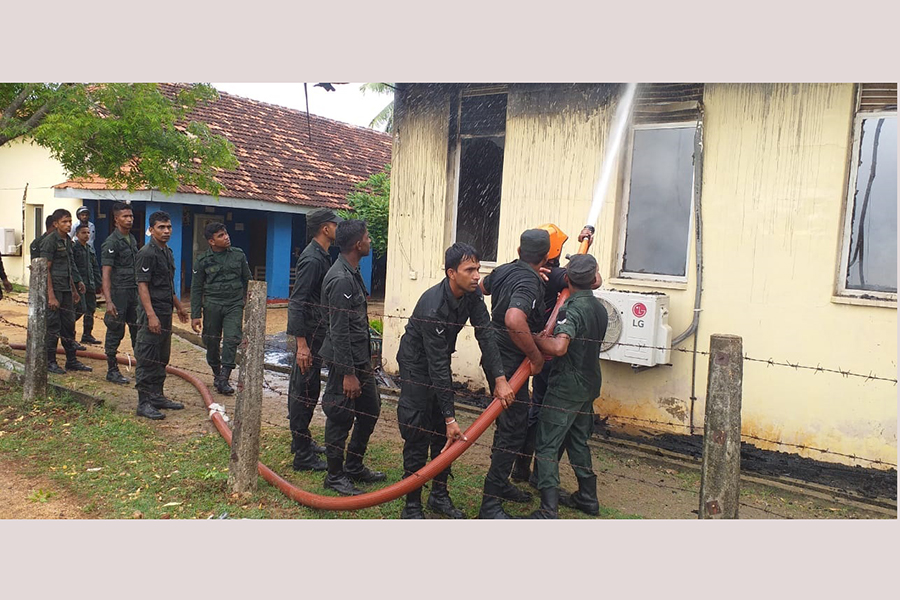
[698, 247]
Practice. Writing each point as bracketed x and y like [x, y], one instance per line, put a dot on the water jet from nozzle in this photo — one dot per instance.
[617, 134]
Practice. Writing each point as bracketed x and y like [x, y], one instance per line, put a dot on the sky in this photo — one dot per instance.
[346, 103]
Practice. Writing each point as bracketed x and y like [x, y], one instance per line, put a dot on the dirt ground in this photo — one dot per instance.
[632, 485]
[32, 497]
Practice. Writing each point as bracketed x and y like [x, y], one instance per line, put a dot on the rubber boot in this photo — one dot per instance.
[112, 371]
[491, 507]
[221, 382]
[549, 504]
[585, 499]
[439, 501]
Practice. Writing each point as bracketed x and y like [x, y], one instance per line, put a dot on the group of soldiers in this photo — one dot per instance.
[328, 318]
[139, 290]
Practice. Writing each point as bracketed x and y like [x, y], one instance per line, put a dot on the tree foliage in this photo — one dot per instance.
[370, 201]
[132, 134]
[386, 116]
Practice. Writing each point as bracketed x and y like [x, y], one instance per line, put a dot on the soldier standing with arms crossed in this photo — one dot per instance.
[62, 279]
[351, 399]
[86, 263]
[155, 272]
[218, 292]
[308, 323]
[117, 257]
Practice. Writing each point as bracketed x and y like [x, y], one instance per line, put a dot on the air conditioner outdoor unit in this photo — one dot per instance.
[8, 245]
[638, 332]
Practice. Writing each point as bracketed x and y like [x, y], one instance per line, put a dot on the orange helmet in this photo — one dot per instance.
[557, 239]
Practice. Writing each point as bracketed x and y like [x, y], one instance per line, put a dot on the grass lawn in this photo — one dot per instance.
[119, 467]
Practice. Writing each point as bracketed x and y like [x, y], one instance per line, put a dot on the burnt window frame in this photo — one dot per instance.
[456, 138]
[860, 114]
[625, 202]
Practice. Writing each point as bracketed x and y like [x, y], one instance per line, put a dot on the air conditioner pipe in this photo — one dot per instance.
[391, 492]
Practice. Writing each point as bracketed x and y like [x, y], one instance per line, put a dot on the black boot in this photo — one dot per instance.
[413, 507]
[522, 469]
[514, 494]
[337, 480]
[316, 448]
[73, 364]
[307, 460]
[221, 381]
[365, 475]
[53, 367]
[89, 339]
[585, 499]
[146, 409]
[78, 346]
[112, 371]
[341, 484]
[549, 504]
[412, 510]
[439, 501]
[491, 507]
[161, 402]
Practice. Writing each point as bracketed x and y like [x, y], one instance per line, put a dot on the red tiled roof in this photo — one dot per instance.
[278, 162]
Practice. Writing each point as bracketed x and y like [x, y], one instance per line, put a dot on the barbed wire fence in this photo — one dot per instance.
[485, 397]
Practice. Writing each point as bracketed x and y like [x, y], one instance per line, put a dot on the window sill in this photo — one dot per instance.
[667, 285]
[857, 301]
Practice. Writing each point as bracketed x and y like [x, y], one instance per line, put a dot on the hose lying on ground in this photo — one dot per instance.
[386, 494]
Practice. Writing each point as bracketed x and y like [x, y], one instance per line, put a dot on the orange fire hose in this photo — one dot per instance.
[391, 492]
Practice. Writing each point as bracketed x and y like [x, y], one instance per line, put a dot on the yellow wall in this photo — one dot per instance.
[21, 163]
[774, 186]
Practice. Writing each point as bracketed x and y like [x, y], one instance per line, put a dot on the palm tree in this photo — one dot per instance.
[386, 116]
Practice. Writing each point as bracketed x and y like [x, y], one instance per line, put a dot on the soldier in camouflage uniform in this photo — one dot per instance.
[86, 263]
[218, 291]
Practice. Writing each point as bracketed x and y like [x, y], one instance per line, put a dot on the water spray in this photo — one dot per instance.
[617, 134]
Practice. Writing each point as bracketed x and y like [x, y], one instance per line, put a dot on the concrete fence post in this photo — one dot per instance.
[36, 345]
[242, 477]
[720, 485]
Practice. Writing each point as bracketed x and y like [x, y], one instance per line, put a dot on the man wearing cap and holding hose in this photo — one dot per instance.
[566, 417]
[517, 311]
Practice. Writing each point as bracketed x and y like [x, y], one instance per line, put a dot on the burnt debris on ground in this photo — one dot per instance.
[863, 481]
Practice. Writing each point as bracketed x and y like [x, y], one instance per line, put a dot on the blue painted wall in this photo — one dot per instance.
[278, 254]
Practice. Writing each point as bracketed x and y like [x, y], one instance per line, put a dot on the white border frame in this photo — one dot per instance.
[626, 199]
[840, 288]
[464, 93]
